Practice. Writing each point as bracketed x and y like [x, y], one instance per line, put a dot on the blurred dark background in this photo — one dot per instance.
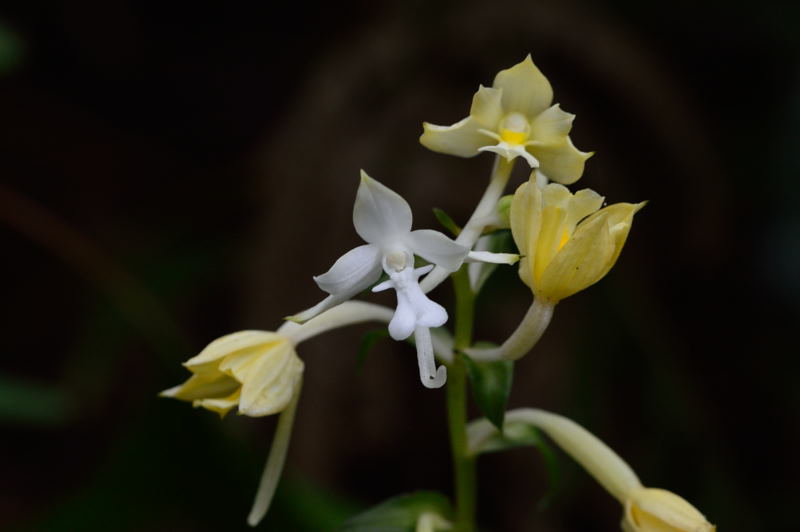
[173, 173]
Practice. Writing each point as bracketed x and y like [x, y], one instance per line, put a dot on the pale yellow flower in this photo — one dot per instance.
[566, 243]
[257, 371]
[514, 118]
[657, 510]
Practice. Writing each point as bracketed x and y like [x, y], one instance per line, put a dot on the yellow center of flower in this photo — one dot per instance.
[514, 129]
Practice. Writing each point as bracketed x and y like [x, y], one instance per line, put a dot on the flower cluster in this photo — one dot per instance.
[566, 242]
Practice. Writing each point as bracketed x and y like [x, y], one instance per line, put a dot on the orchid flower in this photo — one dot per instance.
[260, 373]
[383, 219]
[514, 118]
[567, 243]
[256, 371]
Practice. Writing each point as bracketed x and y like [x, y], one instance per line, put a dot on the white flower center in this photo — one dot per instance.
[397, 260]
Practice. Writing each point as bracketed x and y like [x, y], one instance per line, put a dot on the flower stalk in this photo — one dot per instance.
[463, 462]
[525, 336]
[274, 467]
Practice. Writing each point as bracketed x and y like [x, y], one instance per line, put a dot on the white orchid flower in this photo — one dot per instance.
[383, 219]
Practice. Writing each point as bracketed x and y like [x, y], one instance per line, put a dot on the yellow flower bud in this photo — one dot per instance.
[657, 510]
[567, 244]
[257, 371]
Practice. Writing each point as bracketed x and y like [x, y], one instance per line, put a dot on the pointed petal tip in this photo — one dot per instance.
[303, 316]
[169, 392]
[557, 106]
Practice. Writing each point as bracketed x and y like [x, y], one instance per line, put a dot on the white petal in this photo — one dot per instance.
[512, 152]
[492, 258]
[461, 139]
[475, 270]
[435, 247]
[379, 212]
[352, 272]
[348, 313]
[309, 313]
[525, 89]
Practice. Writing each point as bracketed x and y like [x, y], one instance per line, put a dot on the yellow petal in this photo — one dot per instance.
[582, 261]
[486, 108]
[222, 405]
[657, 510]
[211, 384]
[561, 162]
[525, 89]
[619, 218]
[556, 195]
[461, 139]
[268, 380]
[551, 125]
[228, 344]
[590, 253]
[241, 364]
[582, 204]
[525, 219]
[551, 237]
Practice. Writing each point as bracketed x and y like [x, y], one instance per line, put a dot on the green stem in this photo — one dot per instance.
[463, 464]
